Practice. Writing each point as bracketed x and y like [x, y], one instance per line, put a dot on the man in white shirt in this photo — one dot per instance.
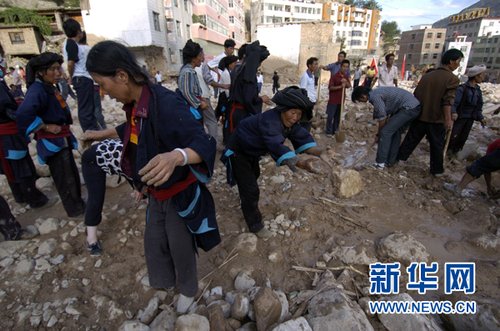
[307, 83]
[158, 78]
[388, 72]
[213, 64]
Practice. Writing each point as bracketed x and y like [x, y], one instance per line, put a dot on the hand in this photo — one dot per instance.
[52, 128]
[454, 116]
[203, 105]
[291, 163]
[266, 100]
[225, 86]
[448, 124]
[160, 168]
[91, 135]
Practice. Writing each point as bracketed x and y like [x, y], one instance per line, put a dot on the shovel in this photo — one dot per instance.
[339, 135]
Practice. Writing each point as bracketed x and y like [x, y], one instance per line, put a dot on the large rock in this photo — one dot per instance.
[47, 226]
[192, 322]
[403, 248]
[361, 254]
[164, 321]
[346, 182]
[243, 282]
[47, 247]
[150, 311]
[485, 319]
[8, 248]
[285, 314]
[332, 310]
[267, 308]
[299, 324]
[246, 242]
[216, 318]
[240, 307]
[133, 326]
[396, 322]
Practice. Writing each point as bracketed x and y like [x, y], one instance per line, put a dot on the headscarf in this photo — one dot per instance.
[293, 97]
[39, 63]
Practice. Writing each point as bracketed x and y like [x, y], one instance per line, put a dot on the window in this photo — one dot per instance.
[231, 19]
[355, 42]
[434, 56]
[427, 45]
[156, 21]
[426, 56]
[463, 49]
[409, 56]
[231, 4]
[185, 4]
[413, 36]
[16, 38]
[465, 26]
[188, 31]
[429, 34]
[487, 50]
[437, 45]
[288, 8]
[439, 35]
[411, 46]
[178, 27]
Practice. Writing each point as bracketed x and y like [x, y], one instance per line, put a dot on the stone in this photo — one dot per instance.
[267, 308]
[240, 307]
[47, 247]
[113, 311]
[10, 247]
[299, 324]
[30, 231]
[243, 282]
[354, 254]
[403, 248]
[6, 262]
[396, 322]
[52, 321]
[234, 324]
[279, 179]
[25, 266]
[333, 310]
[216, 318]
[192, 322]
[71, 310]
[48, 225]
[285, 314]
[487, 241]
[246, 243]
[35, 321]
[133, 326]
[250, 326]
[42, 264]
[346, 182]
[225, 306]
[164, 321]
[150, 311]
[57, 260]
[486, 318]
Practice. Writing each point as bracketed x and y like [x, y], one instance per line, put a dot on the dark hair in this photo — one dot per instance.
[71, 28]
[40, 63]
[241, 51]
[342, 52]
[311, 60]
[226, 61]
[83, 39]
[190, 51]
[229, 43]
[388, 56]
[451, 55]
[107, 57]
[11, 68]
[345, 61]
[358, 92]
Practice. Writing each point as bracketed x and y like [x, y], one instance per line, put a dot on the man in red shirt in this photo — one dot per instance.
[483, 166]
[336, 87]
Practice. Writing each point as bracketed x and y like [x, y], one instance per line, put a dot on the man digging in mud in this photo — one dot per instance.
[265, 133]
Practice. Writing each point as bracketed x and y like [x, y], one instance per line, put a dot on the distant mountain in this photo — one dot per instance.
[494, 11]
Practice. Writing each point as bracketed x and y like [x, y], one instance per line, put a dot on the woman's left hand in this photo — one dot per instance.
[160, 168]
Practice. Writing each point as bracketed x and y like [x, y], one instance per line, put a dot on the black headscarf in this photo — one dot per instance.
[40, 63]
[293, 97]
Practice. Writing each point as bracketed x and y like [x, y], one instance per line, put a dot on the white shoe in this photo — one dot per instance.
[183, 303]
[378, 166]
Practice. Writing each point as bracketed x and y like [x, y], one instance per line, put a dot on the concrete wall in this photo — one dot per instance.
[282, 40]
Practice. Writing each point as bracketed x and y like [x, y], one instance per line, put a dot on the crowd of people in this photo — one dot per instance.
[166, 148]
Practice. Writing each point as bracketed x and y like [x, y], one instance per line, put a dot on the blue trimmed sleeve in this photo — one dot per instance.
[301, 139]
[28, 114]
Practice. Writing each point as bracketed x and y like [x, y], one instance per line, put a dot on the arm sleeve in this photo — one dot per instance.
[458, 98]
[451, 88]
[28, 114]
[190, 134]
[72, 50]
[207, 75]
[480, 103]
[303, 81]
[186, 86]
[273, 139]
[378, 103]
[301, 139]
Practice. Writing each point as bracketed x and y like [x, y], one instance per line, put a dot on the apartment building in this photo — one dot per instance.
[486, 50]
[139, 24]
[473, 24]
[214, 21]
[178, 14]
[465, 47]
[357, 29]
[423, 45]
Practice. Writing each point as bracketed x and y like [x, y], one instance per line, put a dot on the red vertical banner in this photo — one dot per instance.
[374, 64]
[403, 68]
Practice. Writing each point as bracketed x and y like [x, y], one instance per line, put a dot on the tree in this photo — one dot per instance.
[366, 4]
[390, 34]
[18, 16]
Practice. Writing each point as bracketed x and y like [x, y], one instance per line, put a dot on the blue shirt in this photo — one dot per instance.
[389, 100]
